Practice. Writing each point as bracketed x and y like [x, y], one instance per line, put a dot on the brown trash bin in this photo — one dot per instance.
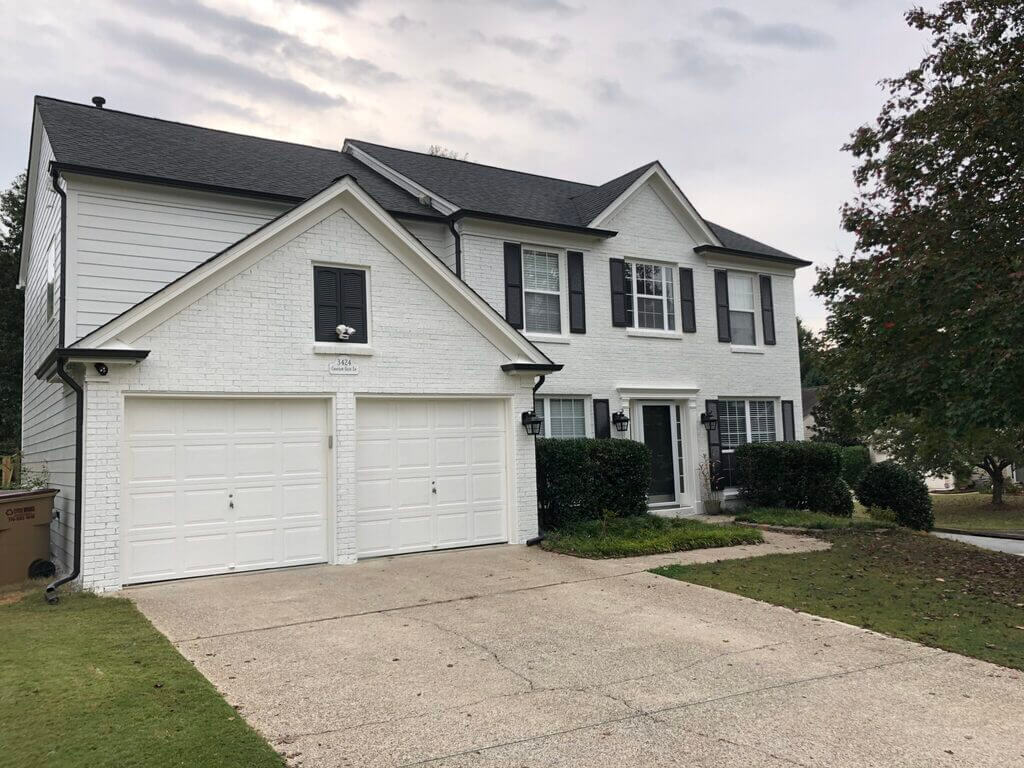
[25, 533]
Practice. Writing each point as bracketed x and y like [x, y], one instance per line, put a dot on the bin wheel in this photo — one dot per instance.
[41, 569]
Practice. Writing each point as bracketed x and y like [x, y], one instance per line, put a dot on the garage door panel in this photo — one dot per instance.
[406, 450]
[205, 506]
[151, 463]
[214, 485]
[204, 462]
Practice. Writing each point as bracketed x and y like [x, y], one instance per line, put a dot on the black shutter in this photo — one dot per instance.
[686, 301]
[577, 299]
[618, 282]
[602, 419]
[714, 445]
[353, 303]
[767, 310]
[326, 303]
[514, 284]
[788, 427]
[722, 305]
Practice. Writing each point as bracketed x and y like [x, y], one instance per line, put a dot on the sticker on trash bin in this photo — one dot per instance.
[16, 514]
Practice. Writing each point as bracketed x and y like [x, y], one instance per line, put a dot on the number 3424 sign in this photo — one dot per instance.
[343, 366]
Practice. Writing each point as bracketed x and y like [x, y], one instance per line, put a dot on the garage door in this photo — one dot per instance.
[216, 485]
[430, 474]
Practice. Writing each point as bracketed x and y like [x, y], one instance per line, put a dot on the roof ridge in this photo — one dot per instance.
[480, 165]
[643, 167]
[39, 97]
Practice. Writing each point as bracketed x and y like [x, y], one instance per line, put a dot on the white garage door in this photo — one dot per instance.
[216, 485]
[430, 474]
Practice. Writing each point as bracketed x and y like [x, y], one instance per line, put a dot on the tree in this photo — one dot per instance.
[926, 326]
[439, 150]
[12, 215]
[811, 373]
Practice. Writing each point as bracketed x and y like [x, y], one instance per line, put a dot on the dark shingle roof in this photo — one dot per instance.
[123, 143]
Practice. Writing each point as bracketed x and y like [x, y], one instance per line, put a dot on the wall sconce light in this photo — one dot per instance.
[532, 423]
[101, 369]
[709, 421]
[620, 420]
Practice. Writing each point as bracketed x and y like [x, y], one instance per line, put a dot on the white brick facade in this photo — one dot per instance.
[253, 335]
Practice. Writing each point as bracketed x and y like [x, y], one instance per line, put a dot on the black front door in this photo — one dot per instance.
[658, 437]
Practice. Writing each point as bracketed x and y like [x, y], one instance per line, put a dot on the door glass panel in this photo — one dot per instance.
[657, 422]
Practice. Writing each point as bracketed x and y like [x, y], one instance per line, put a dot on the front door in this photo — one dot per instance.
[657, 426]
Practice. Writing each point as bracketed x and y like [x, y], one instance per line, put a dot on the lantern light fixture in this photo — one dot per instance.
[620, 420]
[532, 423]
[710, 421]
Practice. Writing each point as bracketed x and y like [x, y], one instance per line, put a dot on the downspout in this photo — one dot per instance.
[538, 385]
[76, 567]
[458, 248]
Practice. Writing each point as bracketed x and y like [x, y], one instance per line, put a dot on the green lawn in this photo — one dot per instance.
[803, 519]
[974, 512]
[645, 535]
[910, 585]
[90, 682]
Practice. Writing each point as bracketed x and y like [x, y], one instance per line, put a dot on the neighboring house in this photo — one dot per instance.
[265, 354]
[809, 399]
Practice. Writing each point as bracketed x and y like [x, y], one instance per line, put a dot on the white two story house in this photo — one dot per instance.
[243, 353]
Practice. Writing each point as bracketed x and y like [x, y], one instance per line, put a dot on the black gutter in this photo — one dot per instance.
[76, 568]
[63, 354]
[465, 213]
[793, 261]
[458, 246]
[541, 368]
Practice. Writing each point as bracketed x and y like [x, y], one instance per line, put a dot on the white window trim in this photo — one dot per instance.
[669, 275]
[776, 414]
[563, 295]
[588, 424]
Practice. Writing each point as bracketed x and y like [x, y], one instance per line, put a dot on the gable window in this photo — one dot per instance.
[339, 297]
[653, 296]
[563, 417]
[542, 291]
[741, 422]
[741, 308]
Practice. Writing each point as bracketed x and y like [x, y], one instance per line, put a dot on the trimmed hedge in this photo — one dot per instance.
[897, 488]
[586, 478]
[855, 460]
[794, 475]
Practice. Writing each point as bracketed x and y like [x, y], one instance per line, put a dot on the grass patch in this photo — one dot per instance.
[974, 512]
[645, 535]
[799, 518]
[90, 682]
[937, 592]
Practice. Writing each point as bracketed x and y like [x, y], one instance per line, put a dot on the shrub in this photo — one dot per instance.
[882, 514]
[855, 460]
[797, 475]
[586, 479]
[897, 488]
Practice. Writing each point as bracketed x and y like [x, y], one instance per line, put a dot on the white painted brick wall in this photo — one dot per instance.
[254, 335]
[606, 358]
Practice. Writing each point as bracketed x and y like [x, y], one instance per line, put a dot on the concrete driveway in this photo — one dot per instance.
[507, 656]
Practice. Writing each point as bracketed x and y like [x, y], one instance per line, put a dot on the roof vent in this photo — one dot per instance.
[98, 102]
[425, 200]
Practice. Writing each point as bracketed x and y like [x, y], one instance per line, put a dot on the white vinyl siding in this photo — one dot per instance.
[741, 309]
[130, 240]
[542, 291]
[564, 417]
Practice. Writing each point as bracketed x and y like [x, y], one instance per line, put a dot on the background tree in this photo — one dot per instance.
[12, 214]
[926, 326]
[439, 150]
[811, 373]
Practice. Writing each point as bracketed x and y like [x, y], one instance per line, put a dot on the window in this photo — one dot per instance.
[542, 291]
[339, 298]
[740, 422]
[741, 308]
[563, 417]
[653, 296]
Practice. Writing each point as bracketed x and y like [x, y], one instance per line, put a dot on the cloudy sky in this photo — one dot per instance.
[746, 102]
